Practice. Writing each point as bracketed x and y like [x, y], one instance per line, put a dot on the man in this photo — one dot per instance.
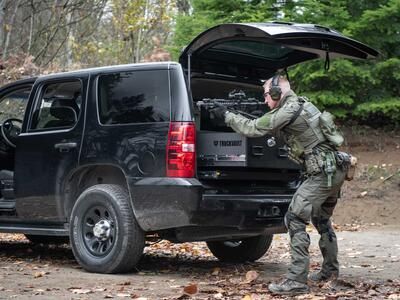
[297, 121]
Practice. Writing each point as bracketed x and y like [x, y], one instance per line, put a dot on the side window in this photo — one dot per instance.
[58, 106]
[13, 104]
[134, 97]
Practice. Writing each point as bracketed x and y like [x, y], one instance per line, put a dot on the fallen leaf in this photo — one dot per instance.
[354, 254]
[39, 274]
[41, 292]
[216, 271]
[121, 295]
[190, 289]
[81, 291]
[251, 276]
[252, 297]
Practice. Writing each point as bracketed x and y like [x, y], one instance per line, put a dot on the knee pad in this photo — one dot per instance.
[324, 226]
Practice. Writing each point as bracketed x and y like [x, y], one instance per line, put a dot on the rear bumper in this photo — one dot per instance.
[243, 211]
[166, 203]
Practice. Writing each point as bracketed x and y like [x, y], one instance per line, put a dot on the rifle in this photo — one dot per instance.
[235, 105]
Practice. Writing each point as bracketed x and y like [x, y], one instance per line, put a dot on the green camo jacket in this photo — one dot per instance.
[297, 135]
[270, 123]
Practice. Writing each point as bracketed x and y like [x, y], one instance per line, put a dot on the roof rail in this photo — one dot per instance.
[282, 22]
[322, 27]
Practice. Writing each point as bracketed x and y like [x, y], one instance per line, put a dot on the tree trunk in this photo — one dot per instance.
[7, 42]
[2, 19]
[70, 39]
[31, 30]
[139, 39]
[183, 6]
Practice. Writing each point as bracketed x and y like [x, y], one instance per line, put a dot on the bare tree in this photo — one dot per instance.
[9, 31]
[89, 32]
[2, 16]
[140, 22]
[183, 6]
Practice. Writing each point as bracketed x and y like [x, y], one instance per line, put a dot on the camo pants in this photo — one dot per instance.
[314, 201]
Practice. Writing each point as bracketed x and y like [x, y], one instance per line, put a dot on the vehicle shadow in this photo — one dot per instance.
[35, 253]
[202, 267]
[153, 262]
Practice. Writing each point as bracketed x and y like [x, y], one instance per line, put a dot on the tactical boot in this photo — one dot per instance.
[320, 276]
[289, 287]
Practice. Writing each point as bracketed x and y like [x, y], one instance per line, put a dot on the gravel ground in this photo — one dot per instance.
[369, 258]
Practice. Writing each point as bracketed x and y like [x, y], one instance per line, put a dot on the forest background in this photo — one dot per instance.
[43, 36]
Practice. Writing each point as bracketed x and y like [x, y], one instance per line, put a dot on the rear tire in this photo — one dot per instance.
[238, 251]
[47, 239]
[105, 237]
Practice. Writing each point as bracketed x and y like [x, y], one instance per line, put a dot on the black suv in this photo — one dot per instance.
[107, 157]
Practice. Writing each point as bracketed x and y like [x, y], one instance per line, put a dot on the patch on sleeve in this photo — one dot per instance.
[264, 122]
[291, 107]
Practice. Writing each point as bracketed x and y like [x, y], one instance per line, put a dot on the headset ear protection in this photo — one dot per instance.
[275, 90]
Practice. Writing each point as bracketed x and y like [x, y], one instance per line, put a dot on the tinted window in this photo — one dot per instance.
[13, 104]
[134, 97]
[58, 106]
[252, 48]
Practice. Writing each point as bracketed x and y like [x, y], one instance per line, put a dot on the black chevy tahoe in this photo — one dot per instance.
[107, 157]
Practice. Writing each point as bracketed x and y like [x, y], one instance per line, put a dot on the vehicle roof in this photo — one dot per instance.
[20, 81]
[115, 68]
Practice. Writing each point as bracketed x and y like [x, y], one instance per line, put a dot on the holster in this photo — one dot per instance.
[347, 163]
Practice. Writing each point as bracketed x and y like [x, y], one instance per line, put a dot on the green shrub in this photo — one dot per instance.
[382, 112]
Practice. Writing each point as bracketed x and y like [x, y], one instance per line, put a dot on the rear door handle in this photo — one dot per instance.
[65, 147]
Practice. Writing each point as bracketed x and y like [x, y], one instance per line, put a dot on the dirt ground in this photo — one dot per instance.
[369, 259]
[368, 230]
[374, 195]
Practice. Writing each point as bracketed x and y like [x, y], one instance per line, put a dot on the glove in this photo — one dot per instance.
[219, 111]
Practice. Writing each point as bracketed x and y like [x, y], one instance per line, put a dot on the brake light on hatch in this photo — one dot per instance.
[181, 150]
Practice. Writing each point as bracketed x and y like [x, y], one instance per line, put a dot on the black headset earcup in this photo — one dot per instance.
[275, 90]
[275, 93]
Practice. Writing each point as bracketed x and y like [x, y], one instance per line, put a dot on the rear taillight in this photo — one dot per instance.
[181, 150]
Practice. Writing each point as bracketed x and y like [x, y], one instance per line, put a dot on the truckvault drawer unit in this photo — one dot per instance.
[221, 149]
[230, 149]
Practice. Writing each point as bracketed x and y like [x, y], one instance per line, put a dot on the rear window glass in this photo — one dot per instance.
[134, 97]
[269, 51]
